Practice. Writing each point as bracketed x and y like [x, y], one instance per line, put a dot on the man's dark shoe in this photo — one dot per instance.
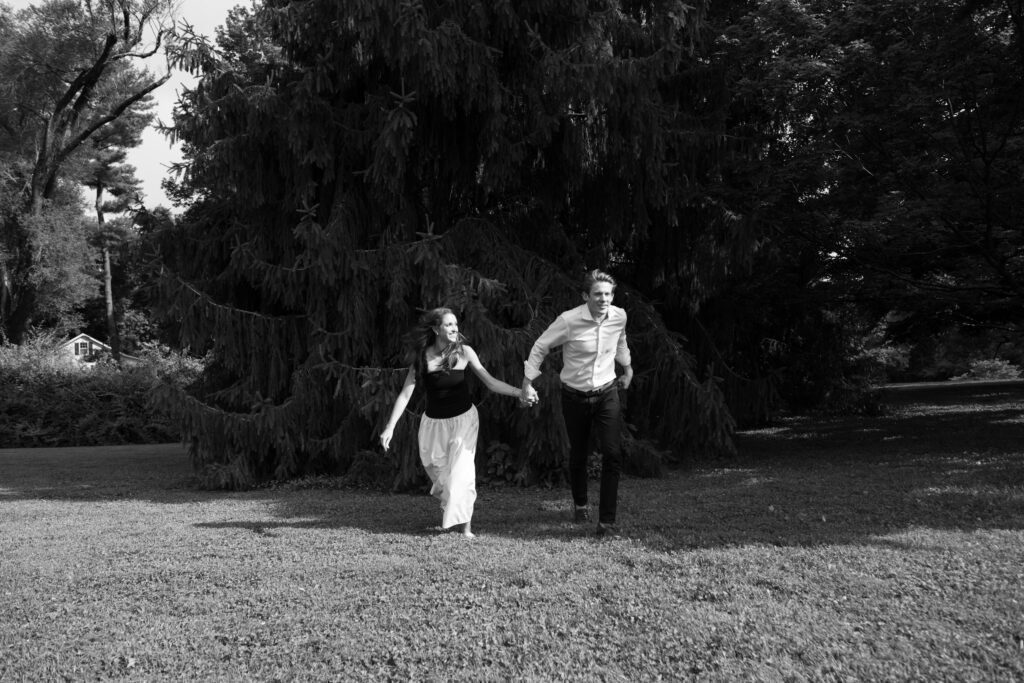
[608, 530]
[581, 514]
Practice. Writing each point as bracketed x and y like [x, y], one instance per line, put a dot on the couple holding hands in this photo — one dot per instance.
[593, 339]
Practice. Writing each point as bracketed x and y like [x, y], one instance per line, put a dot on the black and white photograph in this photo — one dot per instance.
[512, 340]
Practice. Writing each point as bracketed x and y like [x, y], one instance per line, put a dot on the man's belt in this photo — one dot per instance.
[587, 394]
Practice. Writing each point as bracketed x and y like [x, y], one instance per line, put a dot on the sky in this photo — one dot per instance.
[156, 153]
[152, 158]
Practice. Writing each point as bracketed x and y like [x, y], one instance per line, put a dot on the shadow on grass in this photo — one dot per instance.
[822, 503]
[940, 461]
[936, 460]
[159, 473]
[337, 509]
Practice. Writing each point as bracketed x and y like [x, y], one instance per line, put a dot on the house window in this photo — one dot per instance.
[81, 348]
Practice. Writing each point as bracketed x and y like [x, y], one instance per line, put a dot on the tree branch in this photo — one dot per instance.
[115, 113]
[144, 55]
[93, 73]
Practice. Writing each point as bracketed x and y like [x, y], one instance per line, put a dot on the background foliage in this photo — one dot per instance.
[51, 400]
[890, 140]
[70, 72]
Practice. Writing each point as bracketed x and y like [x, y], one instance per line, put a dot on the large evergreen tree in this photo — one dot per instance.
[355, 163]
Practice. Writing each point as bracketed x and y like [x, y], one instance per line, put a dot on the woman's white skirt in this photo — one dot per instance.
[448, 453]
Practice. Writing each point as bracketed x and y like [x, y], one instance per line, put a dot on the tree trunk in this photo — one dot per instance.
[6, 297]
[21, 315]
[108, 290]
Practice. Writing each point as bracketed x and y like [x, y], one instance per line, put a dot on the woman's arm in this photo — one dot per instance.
[495, 385]
[400, 403]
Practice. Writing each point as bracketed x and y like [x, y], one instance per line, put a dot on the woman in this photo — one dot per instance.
[448, 429]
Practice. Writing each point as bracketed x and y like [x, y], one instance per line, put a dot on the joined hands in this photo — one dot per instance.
[529, 397]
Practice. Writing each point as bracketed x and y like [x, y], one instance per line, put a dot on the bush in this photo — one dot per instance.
[50, 400]
[994, 368]
[884, 362]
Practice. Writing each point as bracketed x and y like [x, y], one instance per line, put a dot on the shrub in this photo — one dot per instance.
[993, 368]
[49, 400]
[883, 362]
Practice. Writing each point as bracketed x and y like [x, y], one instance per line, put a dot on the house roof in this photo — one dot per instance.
[84, 337]
[105, 347]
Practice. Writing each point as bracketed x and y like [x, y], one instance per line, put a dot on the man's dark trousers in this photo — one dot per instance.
[596, 414]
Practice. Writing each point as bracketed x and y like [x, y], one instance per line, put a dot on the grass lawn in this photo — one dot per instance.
[853, 549]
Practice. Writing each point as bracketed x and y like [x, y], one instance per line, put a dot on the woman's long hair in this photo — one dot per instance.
[423, 337]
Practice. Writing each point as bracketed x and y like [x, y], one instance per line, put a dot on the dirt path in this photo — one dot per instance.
[945, 392]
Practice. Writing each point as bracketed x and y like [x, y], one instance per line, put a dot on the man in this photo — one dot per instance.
[593, 339]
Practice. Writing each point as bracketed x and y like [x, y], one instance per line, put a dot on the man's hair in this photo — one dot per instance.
[595, 276]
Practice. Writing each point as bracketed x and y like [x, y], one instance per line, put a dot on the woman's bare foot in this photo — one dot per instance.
[467, 532]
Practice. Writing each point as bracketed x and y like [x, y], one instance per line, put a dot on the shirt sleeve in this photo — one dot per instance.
[555, 335]
[622, 356]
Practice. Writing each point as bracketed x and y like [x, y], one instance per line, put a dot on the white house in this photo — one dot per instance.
[84, 348]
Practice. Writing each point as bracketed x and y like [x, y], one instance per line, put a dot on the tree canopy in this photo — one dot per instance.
[883, 191]
[68, 70]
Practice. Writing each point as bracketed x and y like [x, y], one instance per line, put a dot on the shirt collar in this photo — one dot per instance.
[584, 311]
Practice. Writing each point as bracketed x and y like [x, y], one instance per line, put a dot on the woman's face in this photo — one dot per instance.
[449, 328]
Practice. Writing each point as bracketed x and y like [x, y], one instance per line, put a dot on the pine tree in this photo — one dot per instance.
[117, 190]
[352, 164]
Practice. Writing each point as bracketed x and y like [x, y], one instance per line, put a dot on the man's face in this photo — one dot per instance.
[599, 299]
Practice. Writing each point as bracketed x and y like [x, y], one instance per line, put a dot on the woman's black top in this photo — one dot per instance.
[447, 394]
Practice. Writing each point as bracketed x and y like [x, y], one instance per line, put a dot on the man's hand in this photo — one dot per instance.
[626, 378]
[530, 396]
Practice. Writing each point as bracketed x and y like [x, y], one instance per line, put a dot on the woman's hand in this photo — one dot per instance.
[529, 397]
[385, 437]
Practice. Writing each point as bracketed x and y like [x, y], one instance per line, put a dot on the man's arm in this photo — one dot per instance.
[555, 335]
[626, 378]
[624, 358]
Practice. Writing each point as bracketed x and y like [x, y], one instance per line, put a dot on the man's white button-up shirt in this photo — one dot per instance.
[590, 349]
